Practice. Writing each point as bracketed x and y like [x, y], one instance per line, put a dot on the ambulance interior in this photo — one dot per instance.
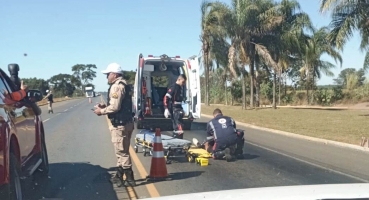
[158, 77]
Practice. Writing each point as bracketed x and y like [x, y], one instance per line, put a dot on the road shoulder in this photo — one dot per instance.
[351, 162]
[324, 141]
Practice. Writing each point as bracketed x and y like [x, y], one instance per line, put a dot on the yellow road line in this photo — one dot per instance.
[131, 193]
[153, 192]
[141, 169]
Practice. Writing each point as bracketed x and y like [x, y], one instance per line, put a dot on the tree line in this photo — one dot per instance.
[255, 46]
[73, 84]
[64, 84]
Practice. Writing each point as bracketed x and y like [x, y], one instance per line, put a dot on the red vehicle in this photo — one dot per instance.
[22, 139]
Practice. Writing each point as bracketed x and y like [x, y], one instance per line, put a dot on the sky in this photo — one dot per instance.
[56, 35]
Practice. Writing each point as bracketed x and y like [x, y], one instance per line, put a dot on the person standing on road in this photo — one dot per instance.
[173, 105]
[119, 111]
[50, 101]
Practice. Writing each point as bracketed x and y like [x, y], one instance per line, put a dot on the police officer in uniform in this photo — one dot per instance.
[119, 111]
[223, 129]
[173, 105]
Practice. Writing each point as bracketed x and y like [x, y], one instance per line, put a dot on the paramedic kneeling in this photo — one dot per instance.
[223, 129]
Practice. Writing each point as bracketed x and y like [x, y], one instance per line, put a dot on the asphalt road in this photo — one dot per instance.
[81, 158]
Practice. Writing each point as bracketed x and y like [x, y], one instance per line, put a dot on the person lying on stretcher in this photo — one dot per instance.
[224, 140]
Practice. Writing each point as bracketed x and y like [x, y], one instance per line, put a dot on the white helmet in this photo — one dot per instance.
[47, 91]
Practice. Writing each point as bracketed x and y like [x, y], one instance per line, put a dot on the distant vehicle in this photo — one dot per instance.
[22, 138]
[148, 98]
[89, 92]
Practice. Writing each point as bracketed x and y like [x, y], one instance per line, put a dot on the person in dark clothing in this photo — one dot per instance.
[173, 105]
[50, 101]
[223, 129]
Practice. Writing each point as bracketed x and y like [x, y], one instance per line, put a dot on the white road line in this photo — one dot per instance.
[65, 110]
[309, 163]
[46, 120]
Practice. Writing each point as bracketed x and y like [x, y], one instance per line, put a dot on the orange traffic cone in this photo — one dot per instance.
[158, 170]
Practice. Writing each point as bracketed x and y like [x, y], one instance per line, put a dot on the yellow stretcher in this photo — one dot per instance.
[198, 155]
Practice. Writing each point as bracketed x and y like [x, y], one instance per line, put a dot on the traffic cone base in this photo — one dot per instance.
[153, 179]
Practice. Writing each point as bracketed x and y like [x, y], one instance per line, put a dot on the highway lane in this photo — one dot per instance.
[81, 155]
[81, 159]
[351, 162]
[259, 168]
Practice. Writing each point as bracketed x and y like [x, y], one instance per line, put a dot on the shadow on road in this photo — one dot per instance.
[172, 177]
[74, 181]
[247, 156]
[198, 126]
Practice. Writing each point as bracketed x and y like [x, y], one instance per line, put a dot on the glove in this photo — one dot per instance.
[166, 113]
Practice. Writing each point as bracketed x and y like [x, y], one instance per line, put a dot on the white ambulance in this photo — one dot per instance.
[155, 74]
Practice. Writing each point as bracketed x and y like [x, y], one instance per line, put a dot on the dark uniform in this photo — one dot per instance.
[50, 101]
[223, 129]
[173, 101]
[119, 111]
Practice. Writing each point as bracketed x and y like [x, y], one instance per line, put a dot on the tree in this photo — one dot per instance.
[246, 27]
[62, 84]
[37, 84]
[348, 16]
[83, 74]
[209, 31]
[129, 76]
[312, 63]
[88, 73]
[342, 77]
[286, 38]
[77, 73]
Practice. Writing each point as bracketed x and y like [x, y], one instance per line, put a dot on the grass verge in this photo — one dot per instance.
[339, 125]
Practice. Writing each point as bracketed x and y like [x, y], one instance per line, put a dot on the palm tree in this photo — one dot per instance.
[348, 16]
[287, 37]
[210, 31]
[312, 63]
[243, 27]
[219, 52]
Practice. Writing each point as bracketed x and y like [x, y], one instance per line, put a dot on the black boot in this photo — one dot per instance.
[228, 155]
[118, 177]
[130, 180]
